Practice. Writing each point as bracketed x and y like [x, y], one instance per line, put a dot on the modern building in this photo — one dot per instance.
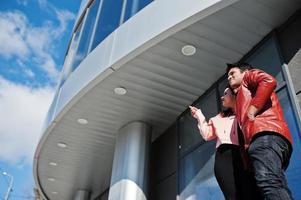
[119, 126]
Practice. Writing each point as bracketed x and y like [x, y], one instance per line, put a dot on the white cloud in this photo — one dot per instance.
[26, 70]
[42, 4]
[40, 41]
[64, 16]
[23, 110]
[28, 43]
[22, 2]
[29, 73]
[49, 66]
[12, 35]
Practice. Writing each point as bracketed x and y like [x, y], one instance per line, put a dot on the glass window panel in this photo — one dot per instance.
[221, 88]
[294, 169]
[133, 6]
[208, 104]
[70, 55]
[197, 180]
[108, 21]
[290, 39]
[164, 155]
[267, 58]
[165, 190]
[189, 133]
[84, 42]
[66, 68]
[188, 130]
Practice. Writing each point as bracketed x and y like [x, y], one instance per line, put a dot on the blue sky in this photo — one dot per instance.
[34, 35]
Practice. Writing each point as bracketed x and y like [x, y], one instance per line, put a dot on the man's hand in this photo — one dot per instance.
[252, 112]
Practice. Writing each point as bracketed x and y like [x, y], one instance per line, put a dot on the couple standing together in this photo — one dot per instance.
[254, 143]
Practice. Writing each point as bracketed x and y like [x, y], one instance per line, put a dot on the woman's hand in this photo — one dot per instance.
[193, 111]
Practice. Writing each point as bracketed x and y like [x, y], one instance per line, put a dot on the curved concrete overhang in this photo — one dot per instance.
[144, 56]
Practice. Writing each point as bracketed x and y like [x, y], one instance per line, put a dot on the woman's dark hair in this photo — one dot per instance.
[226, 112]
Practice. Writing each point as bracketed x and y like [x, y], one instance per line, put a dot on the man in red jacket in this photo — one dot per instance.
[267, 137]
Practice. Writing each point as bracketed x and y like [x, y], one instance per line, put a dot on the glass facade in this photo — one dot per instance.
[100, 19]
[71, 54]
[133, 6]
[109, 20]
[293, 171]
[189, 135]
[268, 59]
[195, 169]
[83, 45]
[196, 161]
[163, 166]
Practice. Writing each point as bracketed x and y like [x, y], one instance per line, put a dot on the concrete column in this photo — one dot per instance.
[129, 179]
[294, 67]
[82, 195]
[292, 76]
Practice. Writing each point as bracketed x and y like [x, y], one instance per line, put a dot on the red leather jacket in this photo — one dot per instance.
[257, 89]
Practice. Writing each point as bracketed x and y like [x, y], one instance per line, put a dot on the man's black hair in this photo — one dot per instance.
[242, 66]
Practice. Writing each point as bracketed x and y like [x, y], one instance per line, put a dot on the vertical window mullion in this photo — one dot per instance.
[66, 67]
[123, 12]
[81, 26]
[95, 25]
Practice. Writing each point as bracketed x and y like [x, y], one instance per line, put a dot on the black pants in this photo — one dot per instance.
[235, 182]
[270, 155]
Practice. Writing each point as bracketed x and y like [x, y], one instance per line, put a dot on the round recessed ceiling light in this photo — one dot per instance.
[54, 192]
[53, 164]
[62, 144]
[51, 179]
[188, 50]
[120, 91]
[82, 121]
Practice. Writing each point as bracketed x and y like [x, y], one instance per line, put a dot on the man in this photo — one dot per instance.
[267, 137]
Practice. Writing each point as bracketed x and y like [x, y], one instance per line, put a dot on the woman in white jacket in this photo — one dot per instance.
[229, 167]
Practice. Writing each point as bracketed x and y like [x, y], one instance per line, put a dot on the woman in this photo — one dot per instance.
[228, 168]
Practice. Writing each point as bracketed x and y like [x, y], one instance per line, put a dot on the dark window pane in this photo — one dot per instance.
[108, 21]
[267, 58]
[189, 133]
[164, 156]
[165, 190]
[290, 39]
[84, 42]
[197, 178]
[221, 88]
[133, 6]
[294, 169]
[208, 104]
[188, 130]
